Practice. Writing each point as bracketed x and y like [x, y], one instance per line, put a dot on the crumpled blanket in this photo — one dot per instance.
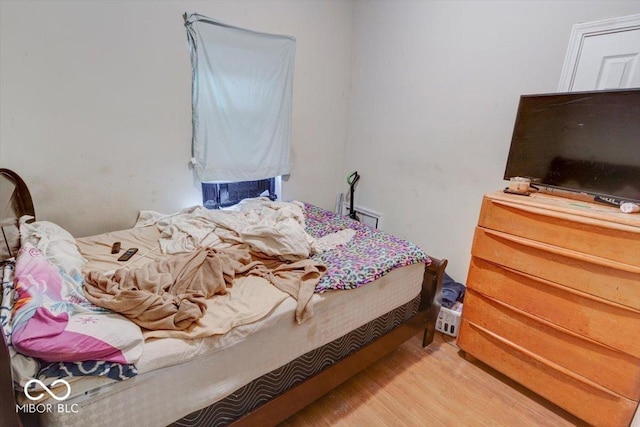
[168, 294]
[273, 228]
[250, 299]
[171, 294]
[297, 278]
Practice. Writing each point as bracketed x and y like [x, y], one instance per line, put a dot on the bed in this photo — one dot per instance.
[258, 369]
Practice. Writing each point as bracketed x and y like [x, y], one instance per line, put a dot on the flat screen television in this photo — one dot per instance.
[579, 142]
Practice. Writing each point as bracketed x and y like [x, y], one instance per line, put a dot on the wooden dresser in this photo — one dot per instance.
[553, 302]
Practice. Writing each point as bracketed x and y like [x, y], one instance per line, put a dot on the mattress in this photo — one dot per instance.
[372, 284]
[220, 366]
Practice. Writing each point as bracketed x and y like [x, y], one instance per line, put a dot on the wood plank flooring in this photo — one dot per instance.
[435, 386]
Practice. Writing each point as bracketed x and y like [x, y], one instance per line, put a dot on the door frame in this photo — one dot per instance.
[580, 32]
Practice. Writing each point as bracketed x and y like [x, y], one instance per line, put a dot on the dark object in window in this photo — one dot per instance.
[216, 195]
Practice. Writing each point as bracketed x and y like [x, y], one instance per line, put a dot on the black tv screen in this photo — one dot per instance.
[585, 142]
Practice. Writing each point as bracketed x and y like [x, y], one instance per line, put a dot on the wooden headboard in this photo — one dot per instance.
[15, 201]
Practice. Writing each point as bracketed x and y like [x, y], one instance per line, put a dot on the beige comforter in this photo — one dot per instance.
[171, 294]
[276, 229]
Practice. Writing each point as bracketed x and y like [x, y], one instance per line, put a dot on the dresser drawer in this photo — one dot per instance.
[600, 320]
[603, 365]
[585, 399]
[615, 242]
[606, 279]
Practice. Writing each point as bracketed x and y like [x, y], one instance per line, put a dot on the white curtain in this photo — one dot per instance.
[241, 100]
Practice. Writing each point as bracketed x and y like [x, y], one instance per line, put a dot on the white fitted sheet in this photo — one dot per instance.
[168, 387]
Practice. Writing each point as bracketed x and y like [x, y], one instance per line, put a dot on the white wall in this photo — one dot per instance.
[95, 109]
[434, 95]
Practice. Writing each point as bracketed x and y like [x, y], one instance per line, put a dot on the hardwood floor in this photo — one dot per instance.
[435, 386]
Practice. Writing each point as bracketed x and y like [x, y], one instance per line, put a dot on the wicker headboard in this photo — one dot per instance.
[15, 201]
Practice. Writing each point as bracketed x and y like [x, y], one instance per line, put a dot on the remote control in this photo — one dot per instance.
[128, 254]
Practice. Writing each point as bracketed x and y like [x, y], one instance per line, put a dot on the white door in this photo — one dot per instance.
[603, 55]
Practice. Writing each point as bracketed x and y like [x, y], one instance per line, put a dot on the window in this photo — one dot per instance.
[216, 195]
[242, 86]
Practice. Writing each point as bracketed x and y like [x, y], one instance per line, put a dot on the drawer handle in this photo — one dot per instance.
[564, 252]
[547, 363]
[588, 220]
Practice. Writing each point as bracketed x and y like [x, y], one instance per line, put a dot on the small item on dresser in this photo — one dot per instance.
[519, 185]
[611, 201]
[115, 248]
[517, 193]
[629, 207]
[128, 254]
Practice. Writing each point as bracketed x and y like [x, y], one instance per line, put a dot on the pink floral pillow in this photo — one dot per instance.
[53, 321]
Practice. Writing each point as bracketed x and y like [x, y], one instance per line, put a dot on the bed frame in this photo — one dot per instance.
[285, 404]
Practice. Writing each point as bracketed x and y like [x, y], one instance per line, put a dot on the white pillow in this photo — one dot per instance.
[56, 243]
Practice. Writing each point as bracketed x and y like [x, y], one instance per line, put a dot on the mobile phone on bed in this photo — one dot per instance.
[128, 254]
